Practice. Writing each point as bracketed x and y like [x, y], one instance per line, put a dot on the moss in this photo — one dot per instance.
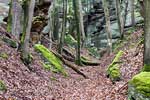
[118, 56]
[113, 70]
[146, 68]
[114, 73]
[10, 42]
[50, 67]
[2, 86]
[70, 40]
[141, 82]
[3, 55]
[51, 58]
[94, 52]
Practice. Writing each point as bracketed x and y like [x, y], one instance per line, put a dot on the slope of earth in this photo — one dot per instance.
[43, 85]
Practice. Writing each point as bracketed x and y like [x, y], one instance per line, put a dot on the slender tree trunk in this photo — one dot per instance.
[16, 18]
[126, 12]
[76, 12]
[142, 12]
[81, 21]
[50, 25]
[119, 18]
[25, 51]
[63, 26]
[9, 21]
[56, 21]
[108, 29]
[147, 36]
[132, 13]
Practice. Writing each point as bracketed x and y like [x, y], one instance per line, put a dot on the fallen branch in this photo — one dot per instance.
[74, 67]
[121, 88]
[84, 59]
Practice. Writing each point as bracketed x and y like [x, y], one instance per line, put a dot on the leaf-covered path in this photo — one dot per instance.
[44, 85]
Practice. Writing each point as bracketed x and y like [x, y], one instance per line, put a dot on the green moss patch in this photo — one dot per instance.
[50, 67]
[10, 42]
[3, 55]
[113, 70]
[141, 82]
[146, 68]
[2, 86]
[114, 73]
[51, 58]
[94, 52]
[70, 40]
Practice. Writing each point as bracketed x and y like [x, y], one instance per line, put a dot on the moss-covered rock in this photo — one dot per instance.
[70, 40]
[51, 58]
[139, 86]
[50, 67]
[87, 61]
[2, 86]
[113, 70]
[114, 73]
[3, 55]
[94, 52]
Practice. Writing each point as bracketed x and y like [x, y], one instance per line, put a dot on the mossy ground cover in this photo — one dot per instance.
[4, 55]
[2, 86]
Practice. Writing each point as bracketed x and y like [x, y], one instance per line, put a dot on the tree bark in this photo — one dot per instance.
[25, 52]
[50, 27]
[9, 21]
[132, 13]
[108, 29]
[147, 36]
[63, 26]
[16, 19]
[119, 18]
[126, 12]
[81, 21]
[76, 13]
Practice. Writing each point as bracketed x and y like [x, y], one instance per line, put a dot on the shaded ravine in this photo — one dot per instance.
[44, 85]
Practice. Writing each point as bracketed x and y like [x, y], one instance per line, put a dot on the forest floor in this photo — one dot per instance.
[23, 84]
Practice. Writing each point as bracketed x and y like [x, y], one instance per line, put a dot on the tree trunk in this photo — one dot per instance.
[119, 18]
[126, 13]
[147, 36]
[9, 21]
[63, 26]
[141, 7]
[108, 29]
[25, 52]
[50, 27]
[56, 20]
[81, 21]
[132, 13]
[16, 18]
[76, 13]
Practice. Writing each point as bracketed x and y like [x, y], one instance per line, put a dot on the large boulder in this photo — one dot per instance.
[139, 87]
